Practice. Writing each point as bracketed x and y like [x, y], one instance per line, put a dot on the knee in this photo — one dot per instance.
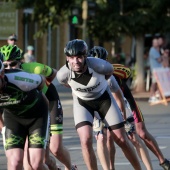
[37, 165]
[142, 135]
[86, 142]
[57, 151]
[15, 162]
[135, 143]
[101, 138]
[121, 141]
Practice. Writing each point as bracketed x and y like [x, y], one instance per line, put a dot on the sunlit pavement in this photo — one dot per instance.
[157, 120]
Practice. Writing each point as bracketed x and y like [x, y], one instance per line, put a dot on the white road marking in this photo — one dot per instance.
[163, 137]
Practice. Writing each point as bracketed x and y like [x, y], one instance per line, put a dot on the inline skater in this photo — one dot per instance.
[121, 74]
[55, 107]
[25, 110]
[87, 79]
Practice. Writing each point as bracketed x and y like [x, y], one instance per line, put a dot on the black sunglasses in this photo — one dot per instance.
[12, 39]
[12, 64]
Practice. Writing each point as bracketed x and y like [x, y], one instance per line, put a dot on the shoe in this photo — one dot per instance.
[165, 165]
[74, 167]
[153, 99]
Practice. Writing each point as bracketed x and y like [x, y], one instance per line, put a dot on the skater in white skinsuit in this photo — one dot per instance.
[87, 79]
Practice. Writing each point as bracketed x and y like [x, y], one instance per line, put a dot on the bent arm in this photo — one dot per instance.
[1, 120]
[117, 94]
[42, 84]
[120, 102]
[63, 76]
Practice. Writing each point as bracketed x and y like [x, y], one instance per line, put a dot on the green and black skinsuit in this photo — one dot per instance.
[25, 110]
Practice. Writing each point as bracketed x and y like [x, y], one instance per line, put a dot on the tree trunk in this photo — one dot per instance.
[140, 78]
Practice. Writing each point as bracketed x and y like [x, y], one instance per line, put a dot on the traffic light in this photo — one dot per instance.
[75, 18]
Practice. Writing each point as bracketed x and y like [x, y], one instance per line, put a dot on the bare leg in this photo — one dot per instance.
[59, 151]
[37, 156]
[102, 150]
[86, 137]
[141, 150]
[111, 149]
[49, 160]
[15, 159]
[26, 157]
[123, 142]
[149, 140]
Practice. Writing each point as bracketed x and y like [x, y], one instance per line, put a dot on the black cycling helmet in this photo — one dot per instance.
[76, 48]
[99, 52]
[11, 52]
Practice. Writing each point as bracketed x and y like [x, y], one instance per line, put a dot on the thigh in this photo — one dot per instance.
[15, 155]
[36, 155]
[39, 132]
[56, 117]
[14, 133]
[56, 141]
[85, 133]
[113, 118]
[56, 112]
[83, 114]
[137, 115]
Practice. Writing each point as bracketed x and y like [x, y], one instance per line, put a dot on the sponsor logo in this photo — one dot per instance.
[89, 89]
[24, 79]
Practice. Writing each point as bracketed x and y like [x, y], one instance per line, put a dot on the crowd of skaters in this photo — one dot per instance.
[75, 74]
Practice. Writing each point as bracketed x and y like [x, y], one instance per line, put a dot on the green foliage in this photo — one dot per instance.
[47, 12]
[113, 17]
[131, 17]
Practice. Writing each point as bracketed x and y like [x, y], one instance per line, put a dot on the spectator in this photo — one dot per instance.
[155, 62]
[29, 55]
[165, 56]
[161, 43]
[12, 39]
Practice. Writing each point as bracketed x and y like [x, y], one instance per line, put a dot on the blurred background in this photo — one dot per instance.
[124, 27]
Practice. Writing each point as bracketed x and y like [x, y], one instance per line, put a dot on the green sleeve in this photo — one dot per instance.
[37, 68]
[44, 89]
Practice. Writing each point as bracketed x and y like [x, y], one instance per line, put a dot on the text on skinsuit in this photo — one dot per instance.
[10, 103]
[88, 89]
[24, 79]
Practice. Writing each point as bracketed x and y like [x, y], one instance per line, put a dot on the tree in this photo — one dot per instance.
[113, 18]
[134, 18]
[47, 12]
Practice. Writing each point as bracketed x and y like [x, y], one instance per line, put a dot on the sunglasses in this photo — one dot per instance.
[12, 39]
[12, 64]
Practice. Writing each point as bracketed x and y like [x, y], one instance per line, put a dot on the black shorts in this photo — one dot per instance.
[56, 112]
[36, 128]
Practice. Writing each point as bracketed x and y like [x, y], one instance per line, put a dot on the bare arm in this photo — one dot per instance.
[1, 122]
[52, 76]
[120, 101]
[40, 87]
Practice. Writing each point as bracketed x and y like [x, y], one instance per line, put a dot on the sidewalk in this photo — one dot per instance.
[141, 95]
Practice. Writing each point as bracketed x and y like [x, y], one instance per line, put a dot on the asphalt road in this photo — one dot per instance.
[157, 120]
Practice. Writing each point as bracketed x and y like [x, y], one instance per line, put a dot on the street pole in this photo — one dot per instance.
[84, 17]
